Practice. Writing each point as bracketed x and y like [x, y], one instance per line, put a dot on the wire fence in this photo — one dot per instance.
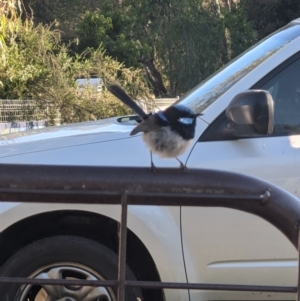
[23, 115]
[20, 115]
[18, 110]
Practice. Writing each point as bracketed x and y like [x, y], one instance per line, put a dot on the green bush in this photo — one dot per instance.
[35, 64]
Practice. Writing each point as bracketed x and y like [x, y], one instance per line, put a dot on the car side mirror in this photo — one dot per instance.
[251, 112]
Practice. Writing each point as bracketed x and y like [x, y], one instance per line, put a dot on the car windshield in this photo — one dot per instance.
[200, 97]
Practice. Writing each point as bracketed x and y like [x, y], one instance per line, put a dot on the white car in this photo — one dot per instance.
[171, 244]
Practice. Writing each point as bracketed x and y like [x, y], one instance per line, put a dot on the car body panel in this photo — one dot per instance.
[116, 148]
[161, 226]
[232, 256]
[59, 137]
[272, 158]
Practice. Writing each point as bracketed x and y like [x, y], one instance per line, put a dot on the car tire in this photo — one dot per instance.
[64, 257]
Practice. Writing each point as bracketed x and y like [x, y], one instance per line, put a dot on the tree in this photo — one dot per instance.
[64, 13]
[267, 16]
[185, 39]
[111, 29]
[239, 32]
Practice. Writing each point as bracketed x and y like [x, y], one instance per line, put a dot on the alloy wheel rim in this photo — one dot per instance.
[65, 270]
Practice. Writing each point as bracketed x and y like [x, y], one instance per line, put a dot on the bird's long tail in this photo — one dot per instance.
[126, 99]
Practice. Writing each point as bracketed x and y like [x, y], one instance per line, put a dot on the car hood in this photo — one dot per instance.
[66, 135]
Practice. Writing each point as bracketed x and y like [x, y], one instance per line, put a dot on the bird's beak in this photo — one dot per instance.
[197, 115]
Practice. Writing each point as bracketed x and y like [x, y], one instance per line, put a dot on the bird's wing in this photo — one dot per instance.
[121, 94]
[145, 126]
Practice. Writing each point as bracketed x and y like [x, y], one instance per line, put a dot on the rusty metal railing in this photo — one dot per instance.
[140, 186]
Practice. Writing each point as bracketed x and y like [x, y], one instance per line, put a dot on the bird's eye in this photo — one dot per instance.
[185, 120]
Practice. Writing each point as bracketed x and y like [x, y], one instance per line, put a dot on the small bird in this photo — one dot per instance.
[167, 133]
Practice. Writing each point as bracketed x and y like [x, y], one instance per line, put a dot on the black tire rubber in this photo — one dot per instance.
[63, 249]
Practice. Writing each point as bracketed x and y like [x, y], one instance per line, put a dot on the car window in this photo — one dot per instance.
[285, 90]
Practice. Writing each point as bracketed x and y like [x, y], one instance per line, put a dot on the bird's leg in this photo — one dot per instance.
[153, 168]
[182, 166]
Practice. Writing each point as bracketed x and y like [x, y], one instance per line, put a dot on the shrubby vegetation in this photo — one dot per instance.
[35, 64]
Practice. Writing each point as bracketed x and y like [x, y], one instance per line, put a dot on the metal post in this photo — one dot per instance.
[298, 288]
[122, 248]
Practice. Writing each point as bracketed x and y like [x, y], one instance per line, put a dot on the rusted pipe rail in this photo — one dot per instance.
[140, 186]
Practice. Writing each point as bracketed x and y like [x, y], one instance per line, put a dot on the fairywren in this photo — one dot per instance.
[167, 133]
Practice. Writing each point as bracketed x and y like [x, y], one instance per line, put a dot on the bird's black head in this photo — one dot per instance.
[181, 119]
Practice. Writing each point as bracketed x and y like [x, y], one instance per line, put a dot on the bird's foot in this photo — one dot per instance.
[153, 167]
[182, 166]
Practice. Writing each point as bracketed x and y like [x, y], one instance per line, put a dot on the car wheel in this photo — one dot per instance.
[64, 257]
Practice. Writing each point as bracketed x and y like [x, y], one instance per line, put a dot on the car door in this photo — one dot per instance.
[227, 246]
